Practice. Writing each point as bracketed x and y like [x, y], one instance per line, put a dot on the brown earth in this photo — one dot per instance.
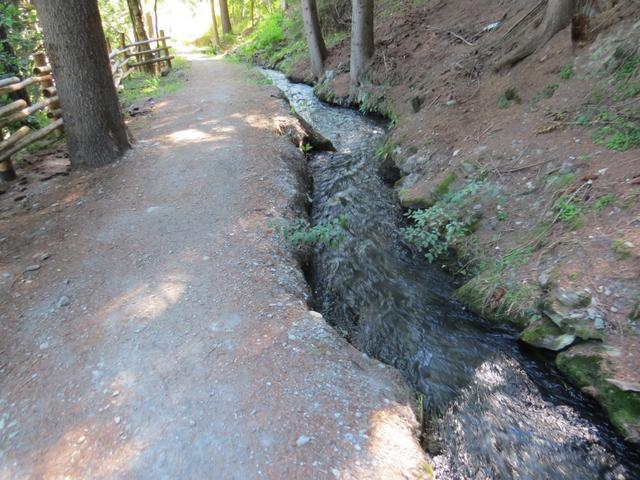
[154, 327]
[432, 74]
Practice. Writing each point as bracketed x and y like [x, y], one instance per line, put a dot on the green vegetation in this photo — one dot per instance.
[585, 370]
[603, 202]
[509, 95]
[434, 230]
[569, 211]
[566, 72]
[546, 92]
[18, 21]
[299, 232]
[142, 85]
[622, 250]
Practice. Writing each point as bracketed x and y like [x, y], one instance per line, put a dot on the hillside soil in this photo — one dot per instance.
[153, 326]
[541, 162]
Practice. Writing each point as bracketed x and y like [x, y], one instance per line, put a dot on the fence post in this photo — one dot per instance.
[165, 52]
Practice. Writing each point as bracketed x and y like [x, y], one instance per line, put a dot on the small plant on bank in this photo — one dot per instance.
[569, 212]
[566, 72]
[509, 95]
[621, 250]
[300, 232]
[603, 201]
[434, 230]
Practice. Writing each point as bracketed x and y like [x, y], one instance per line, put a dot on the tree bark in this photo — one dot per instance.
[284, 4]
[216, 36]
[557, 16]
[224, 17]
[77, 50]
[317, 48]
[361, 38]
[139, 32]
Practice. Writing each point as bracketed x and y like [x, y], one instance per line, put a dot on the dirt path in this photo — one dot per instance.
[166, 334]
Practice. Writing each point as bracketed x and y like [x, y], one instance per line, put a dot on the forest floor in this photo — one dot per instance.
[152, 326]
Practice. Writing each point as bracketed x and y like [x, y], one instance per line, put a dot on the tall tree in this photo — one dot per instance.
[224, 17]
[216, 36]
[361, 38]
[557, 16]
[317, 48]
[77, 50]
[139, 32]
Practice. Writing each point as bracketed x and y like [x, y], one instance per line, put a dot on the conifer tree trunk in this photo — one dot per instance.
[317, 48]
[224, 17]
[361, 38]
[77, 50]
[557, 16]
[139, 32]
[216, 35]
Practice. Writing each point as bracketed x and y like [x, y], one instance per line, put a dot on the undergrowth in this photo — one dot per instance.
[436, 229]
[300, 232]
[141, 85]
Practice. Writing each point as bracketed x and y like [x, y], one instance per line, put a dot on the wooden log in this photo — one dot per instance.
[12, 107]
[57, 113]
[8, 81]
[14, 87]
[34, 136]
[144, 52]
[7, 173]
[24, 113]
[142, 42]
[154, 60]
[17, 135]
[43, 70]
[165, 47]
[49, 92]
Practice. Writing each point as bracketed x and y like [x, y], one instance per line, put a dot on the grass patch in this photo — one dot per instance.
[567, 72]
[141, 85]
[603, 202]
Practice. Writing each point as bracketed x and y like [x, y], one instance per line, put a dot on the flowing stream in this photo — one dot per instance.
[497, 413]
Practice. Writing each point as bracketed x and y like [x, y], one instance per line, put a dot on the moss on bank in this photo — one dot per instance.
[585, 367]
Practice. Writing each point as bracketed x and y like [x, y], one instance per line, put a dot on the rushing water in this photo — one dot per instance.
[498, 413]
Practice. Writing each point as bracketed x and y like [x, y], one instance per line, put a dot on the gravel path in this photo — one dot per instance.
[161, 330]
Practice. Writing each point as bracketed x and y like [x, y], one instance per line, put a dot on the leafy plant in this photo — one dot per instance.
[569, 211]
[434, 230]
[509, 95]
[299, 232]
[603, 201]
[566, 72]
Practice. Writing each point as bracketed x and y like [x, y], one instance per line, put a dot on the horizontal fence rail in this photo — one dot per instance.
[124, 61]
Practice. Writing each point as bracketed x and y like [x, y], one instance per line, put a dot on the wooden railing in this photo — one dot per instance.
[123, 63]
[132, 56]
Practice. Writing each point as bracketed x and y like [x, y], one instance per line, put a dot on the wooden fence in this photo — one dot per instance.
[123, 61]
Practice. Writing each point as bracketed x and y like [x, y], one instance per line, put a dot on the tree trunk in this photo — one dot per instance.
[283, 4]
[557, 16]
[216, 37]
[317, 49]
[77, 50]
[224, 17]
[139, 32]
[361, 38]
